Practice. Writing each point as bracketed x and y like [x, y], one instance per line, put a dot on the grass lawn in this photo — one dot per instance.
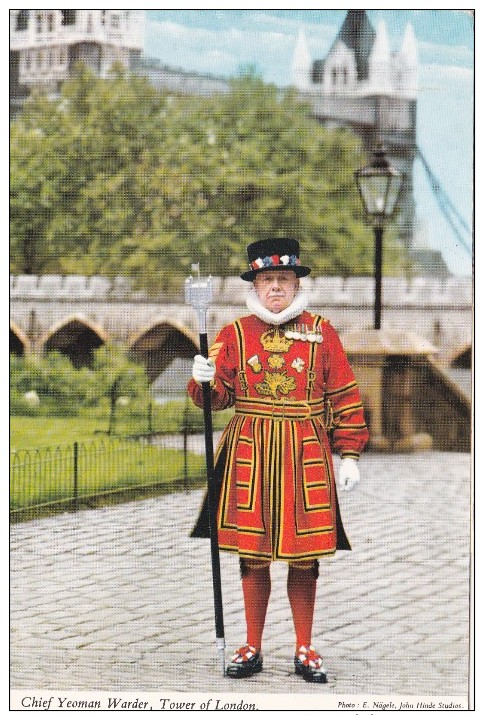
[34, 432]
[47, 472]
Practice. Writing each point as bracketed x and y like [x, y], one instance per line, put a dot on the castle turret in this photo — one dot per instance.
[362, 85]
[359, 61]
[358, 35]
[379, 63]
[406, 69]
[301, 64]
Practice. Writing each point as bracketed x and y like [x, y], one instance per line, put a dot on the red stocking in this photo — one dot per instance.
[256, 586]
[301, 589]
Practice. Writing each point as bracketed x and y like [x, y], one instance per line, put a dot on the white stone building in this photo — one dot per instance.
[46, 44]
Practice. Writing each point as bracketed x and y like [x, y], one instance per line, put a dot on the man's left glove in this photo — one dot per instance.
[349, 473]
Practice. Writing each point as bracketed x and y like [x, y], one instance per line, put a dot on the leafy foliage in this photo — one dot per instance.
[116, 178]
[51, 385]
[112, 396]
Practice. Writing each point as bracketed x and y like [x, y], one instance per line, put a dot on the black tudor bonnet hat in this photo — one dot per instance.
[272, 254]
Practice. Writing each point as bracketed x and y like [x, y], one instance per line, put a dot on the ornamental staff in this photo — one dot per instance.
[295, 397]
[198, 293]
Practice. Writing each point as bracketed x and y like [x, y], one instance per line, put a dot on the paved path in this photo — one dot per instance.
[112, 599]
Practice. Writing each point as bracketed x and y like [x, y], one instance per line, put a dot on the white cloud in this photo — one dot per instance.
[190, 47]
[222, 52]
[456, 82]
[445, 54]
[266, 41]
[291, 25]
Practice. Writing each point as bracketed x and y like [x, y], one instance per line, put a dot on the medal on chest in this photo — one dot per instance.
[304, 333]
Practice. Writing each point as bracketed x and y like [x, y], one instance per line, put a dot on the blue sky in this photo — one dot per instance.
[221, 42]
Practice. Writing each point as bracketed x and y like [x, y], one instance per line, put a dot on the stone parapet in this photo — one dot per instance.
[355, 291]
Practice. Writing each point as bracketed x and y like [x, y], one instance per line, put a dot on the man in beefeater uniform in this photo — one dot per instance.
[295, 396]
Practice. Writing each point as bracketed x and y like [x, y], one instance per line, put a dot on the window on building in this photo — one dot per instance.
[317, 71]
[38, 22]
[115, 20]
[50, 22]
[68, 17]
[28, 60]
[22, 20]
[345, 75]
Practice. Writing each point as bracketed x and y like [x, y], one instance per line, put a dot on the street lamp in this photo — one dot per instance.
[379, 186]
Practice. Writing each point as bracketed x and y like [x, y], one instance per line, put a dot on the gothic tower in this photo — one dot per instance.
[362, 85]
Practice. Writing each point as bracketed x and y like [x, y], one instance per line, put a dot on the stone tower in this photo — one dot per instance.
[46, 44]
[364, 86]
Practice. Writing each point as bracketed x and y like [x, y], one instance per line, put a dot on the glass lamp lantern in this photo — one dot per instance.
[379, 185]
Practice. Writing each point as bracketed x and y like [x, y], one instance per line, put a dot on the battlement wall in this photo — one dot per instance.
[452, 292]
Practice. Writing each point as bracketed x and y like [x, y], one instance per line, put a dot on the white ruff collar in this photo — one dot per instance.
[298, 305]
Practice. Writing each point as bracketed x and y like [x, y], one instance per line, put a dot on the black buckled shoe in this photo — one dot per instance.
[244, 663]
[309, 664]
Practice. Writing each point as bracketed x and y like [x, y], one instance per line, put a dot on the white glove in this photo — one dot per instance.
[349, 473]
[203, 369]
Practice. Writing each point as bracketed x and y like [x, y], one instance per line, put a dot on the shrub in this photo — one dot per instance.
[61, 388]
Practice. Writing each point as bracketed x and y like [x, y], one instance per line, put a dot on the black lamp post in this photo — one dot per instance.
[379, 185]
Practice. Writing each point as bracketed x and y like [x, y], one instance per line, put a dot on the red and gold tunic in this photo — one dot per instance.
[293, 391]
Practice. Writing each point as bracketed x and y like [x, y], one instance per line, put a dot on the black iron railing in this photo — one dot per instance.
[73, 474]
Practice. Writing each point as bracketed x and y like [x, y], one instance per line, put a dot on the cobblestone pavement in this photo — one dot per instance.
[120, 598]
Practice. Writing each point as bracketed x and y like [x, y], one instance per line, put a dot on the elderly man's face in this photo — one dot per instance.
[276, 289]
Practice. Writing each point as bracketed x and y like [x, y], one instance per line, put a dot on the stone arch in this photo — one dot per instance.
[77, 338]
[19, 342]
[462, 358]
[159, 344]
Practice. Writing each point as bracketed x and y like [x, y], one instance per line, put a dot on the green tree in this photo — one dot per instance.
[36, 171]
[76, 193]
[118, 178]
[253, 164]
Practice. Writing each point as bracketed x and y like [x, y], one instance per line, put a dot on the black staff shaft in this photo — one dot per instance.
[212, 498]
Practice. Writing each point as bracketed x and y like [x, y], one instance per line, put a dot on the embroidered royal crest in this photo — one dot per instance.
[276, 361]
[274, 341]
[275, 382]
